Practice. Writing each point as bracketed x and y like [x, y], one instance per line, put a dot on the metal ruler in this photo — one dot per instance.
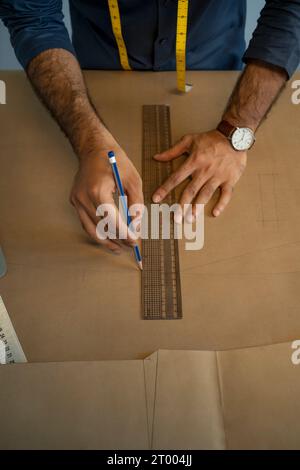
[161, 290]
[10, 348]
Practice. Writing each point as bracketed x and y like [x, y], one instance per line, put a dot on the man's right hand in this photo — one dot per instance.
[56, 76]
[94, 184]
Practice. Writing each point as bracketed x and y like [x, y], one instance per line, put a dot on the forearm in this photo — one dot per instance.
[256, 91]
[57, 79]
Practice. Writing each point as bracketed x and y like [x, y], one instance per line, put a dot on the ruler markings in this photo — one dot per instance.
[161, 290]
[10, 348]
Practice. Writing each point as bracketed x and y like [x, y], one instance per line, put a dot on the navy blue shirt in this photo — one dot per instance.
[215, 38]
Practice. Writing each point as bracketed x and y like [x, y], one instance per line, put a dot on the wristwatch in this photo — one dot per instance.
[241, 138]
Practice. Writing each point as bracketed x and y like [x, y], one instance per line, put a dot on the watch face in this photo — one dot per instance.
[242, 138]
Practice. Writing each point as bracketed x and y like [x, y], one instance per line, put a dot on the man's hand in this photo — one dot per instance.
[212, 163]
[94, 185]
[56, 76]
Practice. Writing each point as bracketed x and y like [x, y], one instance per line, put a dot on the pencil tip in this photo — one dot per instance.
[140, 265]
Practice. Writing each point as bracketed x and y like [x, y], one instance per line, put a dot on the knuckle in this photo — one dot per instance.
[101, 194]
[186, 138]
[189, 165]
[78, 196]
[174, 179]
[192, 190]
[198, 158]
[135, 185]
[208, 190]
[185, 143]
[94, 191]
[228, 189]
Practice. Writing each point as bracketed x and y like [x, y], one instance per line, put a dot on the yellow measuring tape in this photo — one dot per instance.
[181, 33]
[117, 30]
[182, 18]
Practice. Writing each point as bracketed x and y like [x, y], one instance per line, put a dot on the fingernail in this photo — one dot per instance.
[156, 155]
[156, 198]
[216, 212]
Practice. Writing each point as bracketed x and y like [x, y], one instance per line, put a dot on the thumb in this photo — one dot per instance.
[176, 151]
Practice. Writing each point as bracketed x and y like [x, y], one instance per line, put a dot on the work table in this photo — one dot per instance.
[71, 300]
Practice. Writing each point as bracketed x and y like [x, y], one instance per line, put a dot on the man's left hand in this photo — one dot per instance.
[212, 163]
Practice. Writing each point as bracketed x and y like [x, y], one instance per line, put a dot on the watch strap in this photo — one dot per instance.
[226, 128]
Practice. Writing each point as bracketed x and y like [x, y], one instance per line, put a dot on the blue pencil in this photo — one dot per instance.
[113, 162]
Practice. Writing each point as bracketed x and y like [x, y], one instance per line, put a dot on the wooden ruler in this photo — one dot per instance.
[161, 290]
[10, 348]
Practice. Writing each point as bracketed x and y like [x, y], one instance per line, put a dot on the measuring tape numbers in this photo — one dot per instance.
[117, 30]
[181, 35]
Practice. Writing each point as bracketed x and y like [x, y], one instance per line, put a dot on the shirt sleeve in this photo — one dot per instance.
[276, 39]
[34, 26]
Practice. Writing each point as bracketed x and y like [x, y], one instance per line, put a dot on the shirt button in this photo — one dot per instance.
[162, 41]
